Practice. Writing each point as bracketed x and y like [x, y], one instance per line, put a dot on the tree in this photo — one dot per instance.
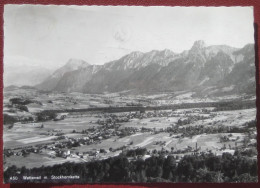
[9, 119]
[22, 108]
[169, 167]
[246, 177]
[204, 175]
[159, 171]
[11, 171]
[46, 115]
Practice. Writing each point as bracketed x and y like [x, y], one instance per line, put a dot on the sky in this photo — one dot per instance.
[49, 36]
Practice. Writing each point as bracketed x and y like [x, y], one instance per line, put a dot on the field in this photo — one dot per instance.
[94, 135]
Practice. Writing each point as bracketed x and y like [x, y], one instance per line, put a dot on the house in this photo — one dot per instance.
[63, 153]
[61, 116]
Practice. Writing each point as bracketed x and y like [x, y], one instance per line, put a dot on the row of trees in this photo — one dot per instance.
[22, 101]
[46, 115]
[10, 120]
[191, 168]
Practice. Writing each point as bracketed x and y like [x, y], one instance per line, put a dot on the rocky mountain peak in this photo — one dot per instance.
[198, 45]
[135, 54]
[71, 65]
[76, 63]
[168, 52]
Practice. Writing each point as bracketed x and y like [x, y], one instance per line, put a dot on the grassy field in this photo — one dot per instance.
[32, 134]
[155, 122]
[37, 160]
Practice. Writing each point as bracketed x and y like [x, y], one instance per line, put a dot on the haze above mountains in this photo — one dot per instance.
[202, 68]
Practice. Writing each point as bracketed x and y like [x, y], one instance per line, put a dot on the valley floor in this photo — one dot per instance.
[92, 136]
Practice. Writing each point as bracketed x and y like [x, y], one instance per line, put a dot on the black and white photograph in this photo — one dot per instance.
[129, 94]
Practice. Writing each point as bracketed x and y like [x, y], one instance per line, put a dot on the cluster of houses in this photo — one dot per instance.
[110, 126]
[22, 152]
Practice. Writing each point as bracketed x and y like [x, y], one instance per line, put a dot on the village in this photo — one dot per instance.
[168, 132]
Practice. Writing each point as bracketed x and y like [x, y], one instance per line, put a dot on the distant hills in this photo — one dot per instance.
[20, 74]
[218, 69]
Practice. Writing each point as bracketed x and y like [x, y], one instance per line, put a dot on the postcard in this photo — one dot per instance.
[129, 94]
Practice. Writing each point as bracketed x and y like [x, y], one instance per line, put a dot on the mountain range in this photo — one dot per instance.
[204, 69]
[20, 71]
